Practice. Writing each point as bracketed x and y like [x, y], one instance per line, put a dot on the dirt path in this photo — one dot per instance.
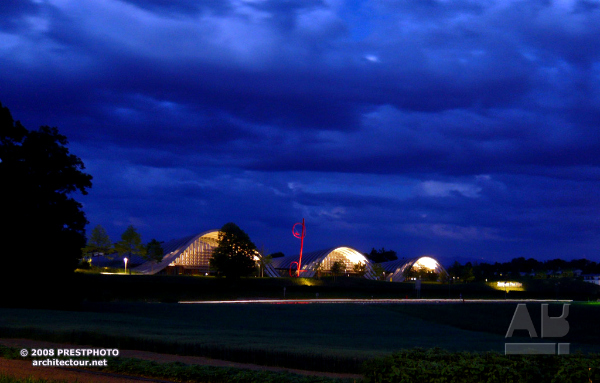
[22, 368]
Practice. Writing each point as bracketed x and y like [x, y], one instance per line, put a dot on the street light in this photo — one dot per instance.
[125, 260]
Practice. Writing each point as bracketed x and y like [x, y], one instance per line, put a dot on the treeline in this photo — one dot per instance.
[519, 267]
[130, 244]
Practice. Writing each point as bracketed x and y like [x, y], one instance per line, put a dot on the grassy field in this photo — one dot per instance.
[324, 336]
[346, 329]
[583, 317]
[133, 312]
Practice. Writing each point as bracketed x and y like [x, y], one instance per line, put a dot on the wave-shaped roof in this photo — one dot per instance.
[312, 260]
[174, 249]
[192, 251]
[399, 268]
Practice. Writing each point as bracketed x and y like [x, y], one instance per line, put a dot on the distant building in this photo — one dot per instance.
[592, 278]
[400, 269]
[321, 261]
[189, 256]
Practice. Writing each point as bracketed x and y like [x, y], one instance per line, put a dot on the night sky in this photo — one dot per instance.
[458, 129]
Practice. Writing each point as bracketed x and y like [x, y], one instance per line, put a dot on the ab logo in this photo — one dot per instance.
[551, 327]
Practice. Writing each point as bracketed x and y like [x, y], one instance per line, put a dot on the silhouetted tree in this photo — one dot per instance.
[44, 227]
[98, 244]
[360, 268]
[379, 271]
[154, 252]
[99, 241]
[234, 256]
[130, 243]
[382, 255]
[455, 271]
[337, 268]
[467, 273]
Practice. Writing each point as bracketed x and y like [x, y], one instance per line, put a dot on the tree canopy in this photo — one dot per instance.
[154, 251]
[337, 267]
[360, 268]
[45, 229]
[234, 256]
[130, 243]
[99, 243]
[381, 255]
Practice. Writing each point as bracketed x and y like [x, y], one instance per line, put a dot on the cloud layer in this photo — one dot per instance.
[463, 128]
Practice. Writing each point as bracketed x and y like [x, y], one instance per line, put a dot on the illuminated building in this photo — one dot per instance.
[401, 269]
[321, 261]
[189, 255]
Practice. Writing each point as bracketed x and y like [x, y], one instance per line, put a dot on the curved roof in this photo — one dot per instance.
[392, 266]
[193, 251]
[312, 260]
[174, 249]
[399, 267]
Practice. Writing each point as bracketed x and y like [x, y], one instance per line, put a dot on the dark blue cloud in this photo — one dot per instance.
[181, 7]
[463, 128]
[13, 14]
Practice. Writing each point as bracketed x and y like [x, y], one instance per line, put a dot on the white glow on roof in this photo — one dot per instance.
[426, 263]
[351, 254]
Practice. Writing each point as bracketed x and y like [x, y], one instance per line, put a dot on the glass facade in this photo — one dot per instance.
[337, 256]
[197, 255]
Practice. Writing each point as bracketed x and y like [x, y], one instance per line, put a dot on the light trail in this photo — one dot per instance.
[376, 301]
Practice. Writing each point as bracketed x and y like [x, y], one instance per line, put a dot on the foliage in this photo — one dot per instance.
[234, 256]
[337, 268]
[99, 243]
[421, 273]
[381, 255]
[444, 277]
[154, 251]
[462, 273]
[437, 365]
[467, 273]
[39, 175]
[360, 268]
[11, 379]
[278, 254]
[379, 271]
[130, 243]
